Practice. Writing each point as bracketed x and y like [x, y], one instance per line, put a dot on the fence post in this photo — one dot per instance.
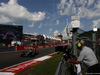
[74, 43]
[94, 42]
[74, 40]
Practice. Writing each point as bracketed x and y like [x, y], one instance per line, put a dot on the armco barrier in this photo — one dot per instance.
[23, 48]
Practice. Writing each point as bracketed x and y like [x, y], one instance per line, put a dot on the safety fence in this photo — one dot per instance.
[65, 68]
[62, 68]
[92, 40]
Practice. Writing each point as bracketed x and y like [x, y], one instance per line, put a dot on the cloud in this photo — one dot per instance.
[32, 25]
[15, 24]
[31, 33]
[61, 5]
[35, 33]
[96, 23]
[40, 25]
[82, 8]
[56, 32]
[4, 19]
[90, 2]
[50, 30]
[13, 12]
[66, 8]
[57, 22]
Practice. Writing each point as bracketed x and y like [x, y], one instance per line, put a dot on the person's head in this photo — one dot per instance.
[80, 44]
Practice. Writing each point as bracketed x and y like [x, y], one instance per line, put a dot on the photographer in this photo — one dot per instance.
[88, 57]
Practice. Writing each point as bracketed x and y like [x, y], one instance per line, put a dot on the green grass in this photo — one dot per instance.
[47, 67]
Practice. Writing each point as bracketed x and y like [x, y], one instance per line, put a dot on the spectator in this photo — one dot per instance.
[88, 57]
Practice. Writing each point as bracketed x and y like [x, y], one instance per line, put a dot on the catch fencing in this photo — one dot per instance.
[91, 39]
[62, 68]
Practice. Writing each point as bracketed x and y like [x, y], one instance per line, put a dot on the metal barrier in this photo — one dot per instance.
[62, 68]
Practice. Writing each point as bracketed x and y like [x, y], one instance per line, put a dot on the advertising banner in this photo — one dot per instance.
[11, 32]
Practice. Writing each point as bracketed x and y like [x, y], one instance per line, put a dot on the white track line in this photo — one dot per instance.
[21, 66]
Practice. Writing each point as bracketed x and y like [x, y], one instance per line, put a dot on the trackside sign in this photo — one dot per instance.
[22, 48]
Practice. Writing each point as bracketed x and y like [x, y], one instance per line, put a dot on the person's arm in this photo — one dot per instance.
[76, 57]
[73, 61]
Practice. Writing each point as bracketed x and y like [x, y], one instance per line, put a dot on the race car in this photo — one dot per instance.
[30, 53]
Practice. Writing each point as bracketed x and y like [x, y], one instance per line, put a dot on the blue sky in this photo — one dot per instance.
[49, 17]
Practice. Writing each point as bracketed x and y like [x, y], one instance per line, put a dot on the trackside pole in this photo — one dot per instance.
[94, 42]
[74, 41]
[75, 24]
[74, 37]
[94, 39]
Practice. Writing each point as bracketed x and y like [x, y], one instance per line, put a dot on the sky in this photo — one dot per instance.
[49, 17]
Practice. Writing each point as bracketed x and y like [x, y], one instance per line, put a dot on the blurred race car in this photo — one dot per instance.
[29, 53]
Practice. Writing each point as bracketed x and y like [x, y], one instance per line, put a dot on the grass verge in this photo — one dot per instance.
[47, 67]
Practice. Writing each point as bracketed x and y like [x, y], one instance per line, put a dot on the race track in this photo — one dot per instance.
[11, 58]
